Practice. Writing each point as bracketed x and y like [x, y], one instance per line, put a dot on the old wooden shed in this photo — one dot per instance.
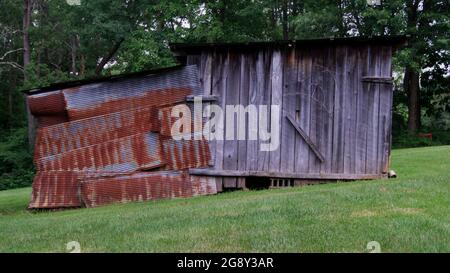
[335, 97]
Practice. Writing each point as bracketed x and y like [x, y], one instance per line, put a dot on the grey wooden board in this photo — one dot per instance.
[384, 123]
[254, 97]
[290, 87]
[329, 92]
[277, 100]
[220, 64]
[193, 60]
[373, 112]
[243, 100]
[230, 154]
[338, 122]
[306, 138]
[264, 91]
[350, 108]
[331, 176]
[303, 106]
[361, 112]
[315, 115]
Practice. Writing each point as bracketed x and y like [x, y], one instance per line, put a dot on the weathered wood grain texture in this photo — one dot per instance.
[304, 108]
[362, 111]
[193, 60]
[333, 93]
[288, 134]
[243, 100]
[350, 110]
[276, 76]
[230, 154]
[219, 85]
[385, 112]
[264, 90]
[254, 99]
[329, 93]
[316, 107]
[339, 104]
[286, 175]
[306, 138]
[373, 111]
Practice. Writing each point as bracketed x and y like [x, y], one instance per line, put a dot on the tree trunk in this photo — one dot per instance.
[26, 61]
[412, 87]
[73, 55]
[108, 57]
[26, 36]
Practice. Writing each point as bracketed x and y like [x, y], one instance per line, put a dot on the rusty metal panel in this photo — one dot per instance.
[50, 120]
[185, 154]
[167, 121]
[86, 132]
[107, 97]
[55, 190]
[132, 153]
[50, 103]
[142, 186]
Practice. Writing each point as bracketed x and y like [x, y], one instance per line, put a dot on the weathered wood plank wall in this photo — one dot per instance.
[348, 119]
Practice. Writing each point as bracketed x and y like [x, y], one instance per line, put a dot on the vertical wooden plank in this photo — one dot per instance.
[264, 90]
[243, 100]
[317, 99]
[232, 98]
[362, 113]
[207, 75]
[373, 110]
[221, 64]
[193, 60]
[329, 91]
[276, 99]
[350, 99]
[384, 117]
[255, 60]
[207, 72]
[338, 122]
[303, 108]
[289, 98]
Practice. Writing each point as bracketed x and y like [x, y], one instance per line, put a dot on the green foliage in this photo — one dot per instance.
[16, 167]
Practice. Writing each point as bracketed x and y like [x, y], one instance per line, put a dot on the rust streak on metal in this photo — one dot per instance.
[137, 152]
[81, 133]
[55, 190]
[153, 98]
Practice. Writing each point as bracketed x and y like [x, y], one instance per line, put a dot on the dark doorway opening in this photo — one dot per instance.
[257, 183]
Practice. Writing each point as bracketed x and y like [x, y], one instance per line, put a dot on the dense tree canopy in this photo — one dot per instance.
[46, 41]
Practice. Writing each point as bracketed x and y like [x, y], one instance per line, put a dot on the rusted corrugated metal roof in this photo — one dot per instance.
[68, 136]
[55, 190]
[111, 142]
[137, 152]
[185, 154]
[143, 187]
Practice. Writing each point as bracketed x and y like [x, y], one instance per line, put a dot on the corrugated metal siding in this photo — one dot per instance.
[112, 149]
[50, 103]
[143, 187]
[82, 133]
[102, 98]
[137, 152]
[55, 190]
[184, 154]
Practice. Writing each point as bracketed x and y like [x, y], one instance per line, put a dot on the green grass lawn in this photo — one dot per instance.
[407, 214]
